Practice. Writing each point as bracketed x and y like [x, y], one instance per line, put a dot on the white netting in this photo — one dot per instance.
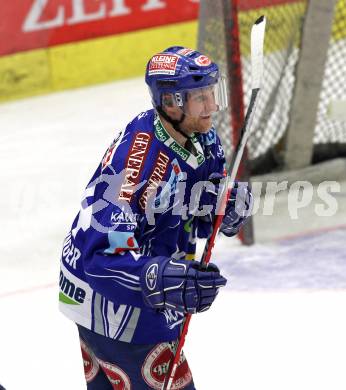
[284, 25]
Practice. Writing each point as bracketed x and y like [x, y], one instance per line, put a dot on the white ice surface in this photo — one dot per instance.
[280, 323]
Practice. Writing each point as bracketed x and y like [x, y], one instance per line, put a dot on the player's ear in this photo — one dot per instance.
[169, 105]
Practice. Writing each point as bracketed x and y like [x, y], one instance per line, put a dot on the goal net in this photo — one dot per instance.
[224, 28]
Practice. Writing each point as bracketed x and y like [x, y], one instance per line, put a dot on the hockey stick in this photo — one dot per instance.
[257, 42]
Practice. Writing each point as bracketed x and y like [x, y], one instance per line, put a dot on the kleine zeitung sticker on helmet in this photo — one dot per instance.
[202, 60]
[163, 64]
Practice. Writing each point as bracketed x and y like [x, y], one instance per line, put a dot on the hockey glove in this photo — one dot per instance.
[180, 285]
[238, 209]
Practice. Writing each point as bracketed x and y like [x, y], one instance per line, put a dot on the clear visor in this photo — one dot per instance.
[200, 101]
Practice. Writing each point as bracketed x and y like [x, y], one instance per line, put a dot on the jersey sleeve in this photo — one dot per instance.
[112, 261]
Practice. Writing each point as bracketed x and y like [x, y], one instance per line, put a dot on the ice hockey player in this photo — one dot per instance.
[128, 274]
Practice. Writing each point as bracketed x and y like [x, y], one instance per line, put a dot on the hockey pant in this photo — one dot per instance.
[116, 365]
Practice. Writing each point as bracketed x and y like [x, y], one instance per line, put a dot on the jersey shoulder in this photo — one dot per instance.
[134, 141]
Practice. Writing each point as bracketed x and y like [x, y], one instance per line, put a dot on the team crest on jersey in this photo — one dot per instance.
[116, 376]
[91, 365]
[163, 64]
[156, 364]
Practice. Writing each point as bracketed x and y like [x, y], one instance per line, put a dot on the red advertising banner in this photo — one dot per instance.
[33, 24]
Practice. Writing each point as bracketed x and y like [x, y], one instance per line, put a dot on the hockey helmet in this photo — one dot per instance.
[178, 73]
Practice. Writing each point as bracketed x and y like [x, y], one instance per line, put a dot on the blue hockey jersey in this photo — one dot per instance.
[141, 202]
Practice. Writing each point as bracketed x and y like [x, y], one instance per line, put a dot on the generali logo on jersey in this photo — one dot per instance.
[134, 164]
[160, 168]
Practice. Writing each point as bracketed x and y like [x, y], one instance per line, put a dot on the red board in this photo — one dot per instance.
[33, 24]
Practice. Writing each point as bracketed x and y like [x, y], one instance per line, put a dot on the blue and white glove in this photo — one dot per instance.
[180, 285]
[238, 209]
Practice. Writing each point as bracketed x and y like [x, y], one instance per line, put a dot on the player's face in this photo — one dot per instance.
[198, 109]
[201, 124]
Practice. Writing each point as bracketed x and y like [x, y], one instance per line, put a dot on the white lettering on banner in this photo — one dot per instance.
[154, 4]
[32, 23]
[119, 8]
[80, 16]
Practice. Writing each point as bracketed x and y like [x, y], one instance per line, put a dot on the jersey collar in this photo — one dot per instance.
[163, 136]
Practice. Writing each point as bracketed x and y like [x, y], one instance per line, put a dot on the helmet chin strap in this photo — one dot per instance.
[175, 123]
[176, 126]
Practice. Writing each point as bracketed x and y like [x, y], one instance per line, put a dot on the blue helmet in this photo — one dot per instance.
[178, 69]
